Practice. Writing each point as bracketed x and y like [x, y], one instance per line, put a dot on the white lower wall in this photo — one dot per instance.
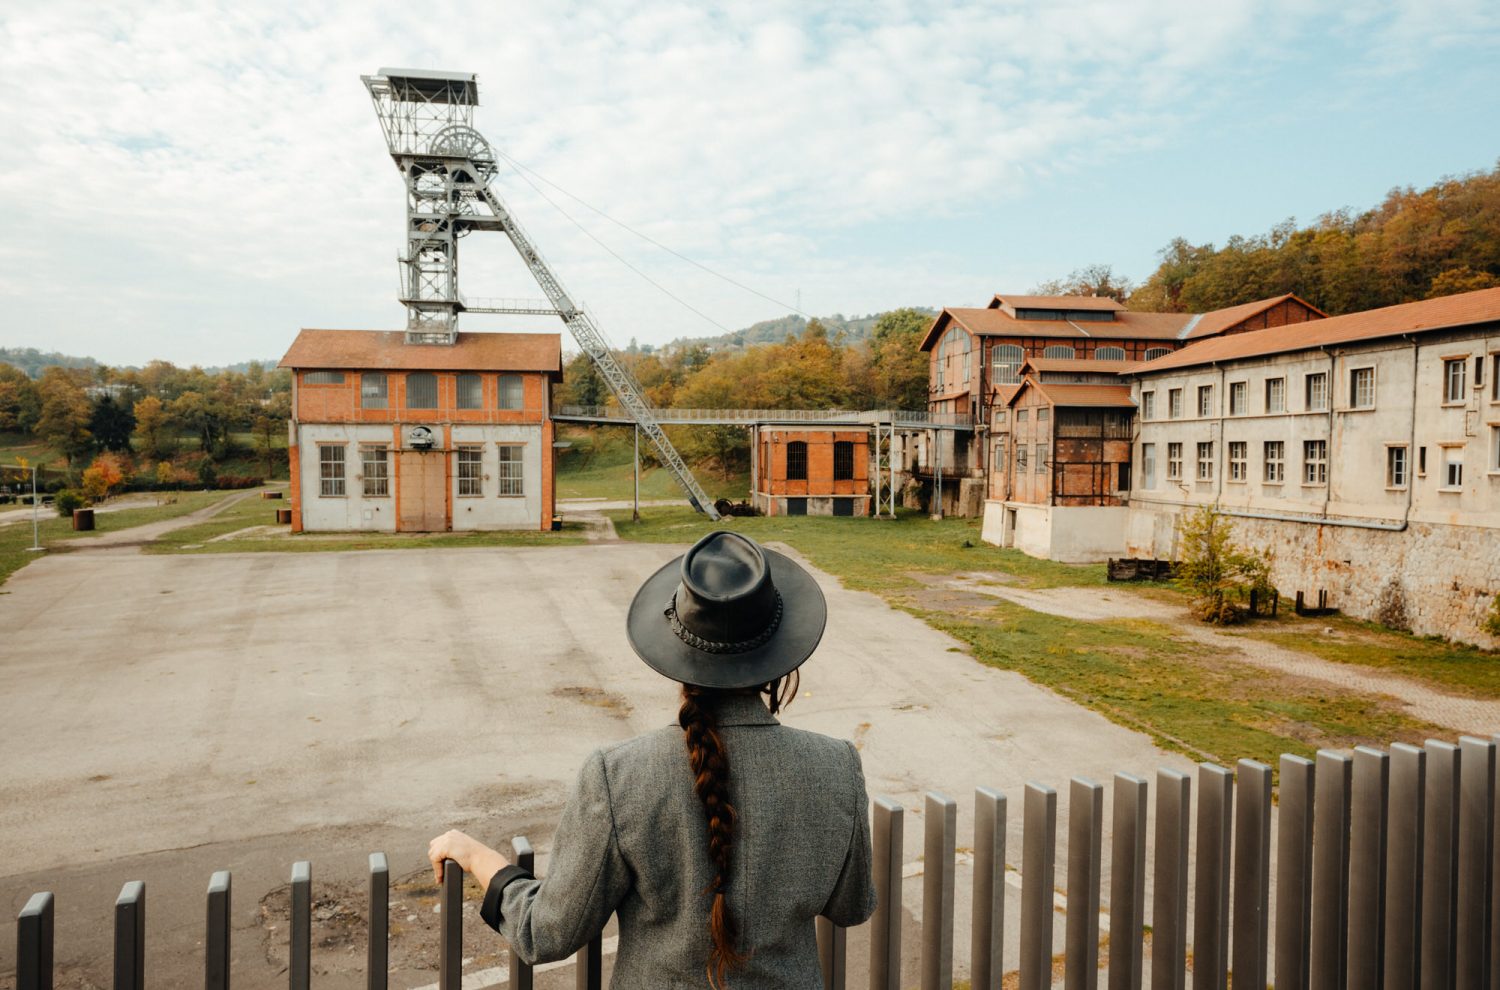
[1069, 534]
[492, 510]
[351, 511]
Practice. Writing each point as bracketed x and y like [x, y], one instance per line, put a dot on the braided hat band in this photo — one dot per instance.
[712, 646]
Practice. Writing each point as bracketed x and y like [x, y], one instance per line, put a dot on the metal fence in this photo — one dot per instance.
[914, 418]
[1385, 871]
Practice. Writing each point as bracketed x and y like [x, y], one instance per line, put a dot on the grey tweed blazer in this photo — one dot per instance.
[633, 841]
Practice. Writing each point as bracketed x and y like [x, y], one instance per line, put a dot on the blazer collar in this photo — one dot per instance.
[743, 709]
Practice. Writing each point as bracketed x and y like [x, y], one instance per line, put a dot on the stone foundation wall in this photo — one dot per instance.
[1432, 580]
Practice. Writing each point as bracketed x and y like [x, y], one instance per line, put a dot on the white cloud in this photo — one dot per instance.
[197, 180]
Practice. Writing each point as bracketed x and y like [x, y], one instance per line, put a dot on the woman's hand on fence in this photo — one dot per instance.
[469, 853]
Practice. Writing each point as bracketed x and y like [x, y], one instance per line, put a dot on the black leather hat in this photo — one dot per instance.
[727, 614]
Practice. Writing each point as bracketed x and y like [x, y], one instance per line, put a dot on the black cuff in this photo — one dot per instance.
[489, 911]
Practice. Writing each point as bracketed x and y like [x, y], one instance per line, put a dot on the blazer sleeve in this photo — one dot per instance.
[555, 916]
[853, 898]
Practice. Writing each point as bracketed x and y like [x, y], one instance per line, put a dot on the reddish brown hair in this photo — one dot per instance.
[709, 759]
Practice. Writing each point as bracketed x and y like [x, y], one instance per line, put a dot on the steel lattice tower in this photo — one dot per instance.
[428, 120]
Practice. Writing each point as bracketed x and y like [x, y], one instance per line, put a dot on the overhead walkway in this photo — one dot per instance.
[907, 419]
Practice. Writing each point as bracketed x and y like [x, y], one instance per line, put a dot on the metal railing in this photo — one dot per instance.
[916, 418]
[1386, 874]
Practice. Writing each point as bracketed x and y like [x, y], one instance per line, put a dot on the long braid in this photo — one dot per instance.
[710, 762]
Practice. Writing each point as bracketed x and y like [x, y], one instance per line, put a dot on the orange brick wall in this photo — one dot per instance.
[1283, 313]
[771, 476]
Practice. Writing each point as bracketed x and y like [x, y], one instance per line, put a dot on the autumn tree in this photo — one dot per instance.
[270, 423]
[64, 412]
[20, 402]
[1090, 280]
[899, 366]
[152, 427]
[111, 423]
[1214, 570]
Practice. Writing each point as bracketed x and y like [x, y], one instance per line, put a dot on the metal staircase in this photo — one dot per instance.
[448, 166]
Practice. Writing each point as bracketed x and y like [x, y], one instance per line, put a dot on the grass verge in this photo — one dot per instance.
[598, 463]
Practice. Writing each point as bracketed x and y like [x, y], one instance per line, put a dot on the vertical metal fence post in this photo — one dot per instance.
[1368, 795]
[1494, 983]
[1405, 823]
[1211, 883]
[1440, 866]
[1294, 843]
[1169, 895]
[525, 857]
[1252, 873]
[299, 950]
[939, 840]
[130, 937]
[987, 933]
[34, 944]
[1085, 841]
[377, 948]
[1330, 895]
[451, 928]
[833, 951]
[216, 939]
[588, 971]
[1127, 883]
[885, 927]
[1038, 857]
[1475, 849]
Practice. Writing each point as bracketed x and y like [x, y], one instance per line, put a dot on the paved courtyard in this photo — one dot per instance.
[165, 716]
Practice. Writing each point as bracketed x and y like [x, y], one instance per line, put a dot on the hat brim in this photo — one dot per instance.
[804, 615]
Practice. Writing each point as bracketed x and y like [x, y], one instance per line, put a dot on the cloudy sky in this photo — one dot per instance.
[195, 182]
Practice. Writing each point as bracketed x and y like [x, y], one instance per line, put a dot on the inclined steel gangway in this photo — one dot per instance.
[427, 118]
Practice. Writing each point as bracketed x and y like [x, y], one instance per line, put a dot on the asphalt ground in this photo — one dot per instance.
[162, 717]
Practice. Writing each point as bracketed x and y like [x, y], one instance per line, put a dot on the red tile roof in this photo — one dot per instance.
[1109, 396]
[1056, 302]
[1464, 309]
[998, 323]
[385, 350]
[1219, 320]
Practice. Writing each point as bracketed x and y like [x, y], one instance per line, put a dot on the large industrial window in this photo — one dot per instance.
[512, 476]
[1152, 353]
[1362, 388]
[1005, 364]
[372, 391]
[1315, 462]
[1453, 467]
[1315, 391]
[1238, 456]
[1148, 465]
[375, 466]
[1205, 400]
[1238, 403]
[1122, 476]
[1043, 415]
[843, 460]
[1455, 379]
[999, 466]
[323, 378]
[1022, 416]
[1395, 467]
[1275, 395]
[1021, 452]
[1058, 351]
[512, 392]
[1206, 461]
[1174, 462]
[1041, 458]
[421, 390]
[470, 477]
[1174, 403]
[470, 392]
[331, 470]
[796, 461]
[1275, 454]
[1109, 354]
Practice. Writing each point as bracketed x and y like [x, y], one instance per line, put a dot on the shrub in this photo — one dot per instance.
[239, 481]
[1218, 574]
[69, 499]
[1492, 622]
[104, 477]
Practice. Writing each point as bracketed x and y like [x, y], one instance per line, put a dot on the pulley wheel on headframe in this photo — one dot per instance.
[461, 141]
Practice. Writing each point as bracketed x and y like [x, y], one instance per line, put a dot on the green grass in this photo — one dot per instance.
[15, 538]
[599, 464]
[1141, 675]
[868, 554]
[254, 511]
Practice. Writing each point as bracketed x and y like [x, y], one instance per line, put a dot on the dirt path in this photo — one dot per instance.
[139, 536]
[1456, 712]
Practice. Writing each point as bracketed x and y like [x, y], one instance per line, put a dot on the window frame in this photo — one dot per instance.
[1239, 467]
[1108, 353]
[436, 390]
[511, 469]
[1367, 373]
[843, 450]
[1174, 403]
[1022, 458]
[1239, 398]
[1395, 452]
[329, 377]
[1148, 404]
[1204, 461]
[1315, 468]
[468, 456]
[1268, 462]
[1148, 466]
[1000, 465]
[1453, 457]
[1174, 460]
[1063, 352]
[1205, 401]
[375, 483]
[468, 378]
[1450, 365]
[503, 388]
[1278, 385]
[326, 479]
[1320, 379]
[1015, 356]
[798, 448]
[1041, 458]
[1494, 467]
[367, 397]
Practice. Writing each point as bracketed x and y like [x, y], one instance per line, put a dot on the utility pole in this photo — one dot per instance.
[635, 512]
[36, 542]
